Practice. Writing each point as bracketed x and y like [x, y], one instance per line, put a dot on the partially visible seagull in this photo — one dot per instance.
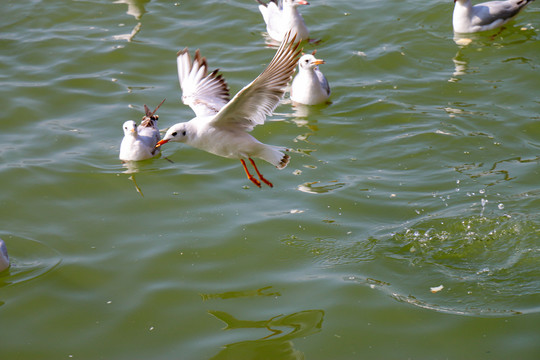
[221, 126]
[139, 143]
[4, 258]
[310, 87]
[281, 16]
[485, 16]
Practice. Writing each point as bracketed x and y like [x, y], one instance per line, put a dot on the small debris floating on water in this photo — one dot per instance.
[436, 289]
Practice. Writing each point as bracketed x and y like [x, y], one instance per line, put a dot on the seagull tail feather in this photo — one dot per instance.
[275, 156]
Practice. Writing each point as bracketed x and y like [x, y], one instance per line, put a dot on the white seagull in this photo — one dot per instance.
[221, 126]
[4, 258]
[281, 16]
[485, 16]
[310, 87]
[139, 143]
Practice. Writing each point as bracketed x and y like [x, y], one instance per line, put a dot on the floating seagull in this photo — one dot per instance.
[310, 87]
[282, 16]
[485, 16]
[221, 126]
[4, 258]
[139, 143]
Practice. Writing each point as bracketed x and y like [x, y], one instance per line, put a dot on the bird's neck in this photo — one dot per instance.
[290, 11]
[465, 6]
[194, 127]
[462, 16]
[308, 73]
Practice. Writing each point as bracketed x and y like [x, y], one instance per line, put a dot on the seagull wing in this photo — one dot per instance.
[259, 99]
[492, 11]
[273, 16]
[278, 3]
[323, 81]
[205, 93]
[151, 134]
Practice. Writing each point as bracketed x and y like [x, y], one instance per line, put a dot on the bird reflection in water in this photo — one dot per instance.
[277, 345]
[137, 10]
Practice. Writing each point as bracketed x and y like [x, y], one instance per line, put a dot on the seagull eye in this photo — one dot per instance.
[174, 133]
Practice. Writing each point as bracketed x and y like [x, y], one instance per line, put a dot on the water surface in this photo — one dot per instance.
[406, 226]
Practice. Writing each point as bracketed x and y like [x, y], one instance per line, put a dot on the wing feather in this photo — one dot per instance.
[205, 93]
[256, 101]
[492, 11]
[323, 81]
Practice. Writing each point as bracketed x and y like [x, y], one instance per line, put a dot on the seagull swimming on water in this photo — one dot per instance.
[281, 16]
[485, 16]
[4, 258]
[310, 87]
[139, 143]
[221, 126]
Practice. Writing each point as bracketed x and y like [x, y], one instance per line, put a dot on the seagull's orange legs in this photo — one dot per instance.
[259, 174]
[251, 177]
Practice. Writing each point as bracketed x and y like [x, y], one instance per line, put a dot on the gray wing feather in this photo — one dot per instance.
[323, 81]
[489, 12]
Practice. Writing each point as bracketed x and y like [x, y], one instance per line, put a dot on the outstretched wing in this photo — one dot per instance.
[272, 13]
[205, 93]
[259, 99]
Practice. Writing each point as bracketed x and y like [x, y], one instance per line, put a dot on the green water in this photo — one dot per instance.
[423, 171]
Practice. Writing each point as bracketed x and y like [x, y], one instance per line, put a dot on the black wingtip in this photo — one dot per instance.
[182, 52]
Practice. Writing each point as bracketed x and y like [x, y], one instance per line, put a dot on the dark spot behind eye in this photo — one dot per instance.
[184, 133]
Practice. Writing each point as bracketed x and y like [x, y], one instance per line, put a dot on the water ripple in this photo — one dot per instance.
[487, 265]
[30, 259]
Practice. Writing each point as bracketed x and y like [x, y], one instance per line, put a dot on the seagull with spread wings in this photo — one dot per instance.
[281, 16]
[221, 126]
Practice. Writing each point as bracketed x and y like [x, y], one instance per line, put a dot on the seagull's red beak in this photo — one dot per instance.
[302, 2]
[161, 142]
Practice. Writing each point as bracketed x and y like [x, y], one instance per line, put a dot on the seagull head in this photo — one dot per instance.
[308, 62]
[130, 128]
[176, 133]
